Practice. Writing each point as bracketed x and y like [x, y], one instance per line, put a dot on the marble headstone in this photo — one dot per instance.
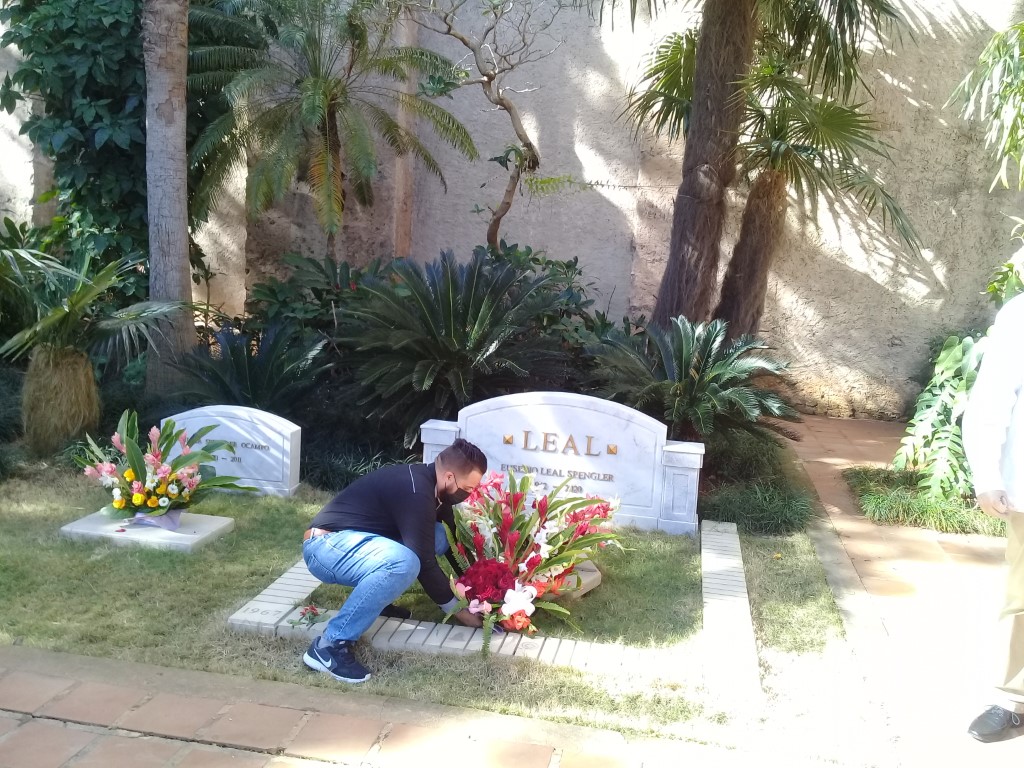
[266, 446]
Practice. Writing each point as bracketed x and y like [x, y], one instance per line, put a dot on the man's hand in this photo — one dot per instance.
[469, 619]
[995, 504]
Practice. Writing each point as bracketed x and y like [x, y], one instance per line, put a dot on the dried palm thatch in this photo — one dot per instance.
[60, 400]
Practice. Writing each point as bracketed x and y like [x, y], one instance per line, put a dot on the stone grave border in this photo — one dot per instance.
[729, 653]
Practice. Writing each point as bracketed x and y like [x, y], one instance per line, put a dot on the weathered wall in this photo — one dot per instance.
[848, 306]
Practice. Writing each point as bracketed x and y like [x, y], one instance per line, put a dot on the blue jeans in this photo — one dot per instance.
[377, 568]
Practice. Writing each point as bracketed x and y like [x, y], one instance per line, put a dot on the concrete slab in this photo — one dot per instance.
[196, 531]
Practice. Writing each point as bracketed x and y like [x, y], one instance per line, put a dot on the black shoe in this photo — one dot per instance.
[396, 612]
[337, 660]
[996, 724]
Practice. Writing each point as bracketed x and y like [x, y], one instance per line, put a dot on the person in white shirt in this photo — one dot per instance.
[993, 439]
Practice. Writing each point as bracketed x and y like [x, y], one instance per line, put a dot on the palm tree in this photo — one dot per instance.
[165, 50]
[317, 101]
[801, 142]
[693, 379]
[60, 398]
[827, 36]
[789, 138]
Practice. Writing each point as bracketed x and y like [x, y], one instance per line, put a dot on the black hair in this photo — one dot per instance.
[463, 457]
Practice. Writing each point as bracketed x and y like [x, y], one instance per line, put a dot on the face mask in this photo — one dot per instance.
[457, 496]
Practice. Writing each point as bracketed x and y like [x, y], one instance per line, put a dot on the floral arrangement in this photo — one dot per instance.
[147, 484]
[517, 550]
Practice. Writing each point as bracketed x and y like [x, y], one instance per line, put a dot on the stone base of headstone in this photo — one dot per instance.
[585, 577]
[194, 532]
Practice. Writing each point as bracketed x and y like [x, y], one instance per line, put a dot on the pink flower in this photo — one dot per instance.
[106, 469]
[163, 471]
[152, 461]
[478, 606]
[461, 590]
[137, 487]
[185, 450]
[154, 438]
[115, 439]
[92, 473]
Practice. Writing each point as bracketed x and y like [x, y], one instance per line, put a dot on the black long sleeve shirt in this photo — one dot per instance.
[400, 503]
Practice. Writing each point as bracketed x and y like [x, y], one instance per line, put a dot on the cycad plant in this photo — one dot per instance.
[434, 338]
[692, 378]
[270, 370]
[60, 397]
[317, 102]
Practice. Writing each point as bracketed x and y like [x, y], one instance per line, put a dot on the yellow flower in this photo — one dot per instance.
[162, 489]
[129, 475]
[138, 499]
[118, 503]
[153, 502]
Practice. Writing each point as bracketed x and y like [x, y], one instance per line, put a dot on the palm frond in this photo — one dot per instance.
[663, 98]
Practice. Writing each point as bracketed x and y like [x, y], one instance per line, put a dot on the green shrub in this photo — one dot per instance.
[333, 470]
[270, 370]
[734, 456]
[434, 338]
[933, 445]
[760, 507]
[691, 378]
[10, 403]
[894, 497]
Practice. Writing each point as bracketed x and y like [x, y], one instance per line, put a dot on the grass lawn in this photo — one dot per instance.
[170, 608]
[889, 497]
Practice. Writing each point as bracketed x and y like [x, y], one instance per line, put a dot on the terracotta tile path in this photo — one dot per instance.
[920, 607]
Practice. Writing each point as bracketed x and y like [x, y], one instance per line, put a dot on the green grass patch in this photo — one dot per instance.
[170, 608]
[650, 595]
[891, 497]
[791, 604]
[770, 507]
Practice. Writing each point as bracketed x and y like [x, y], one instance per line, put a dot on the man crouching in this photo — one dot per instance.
[377, 536]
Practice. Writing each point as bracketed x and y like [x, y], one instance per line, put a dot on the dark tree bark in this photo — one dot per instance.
[724, 52]
[746, 280]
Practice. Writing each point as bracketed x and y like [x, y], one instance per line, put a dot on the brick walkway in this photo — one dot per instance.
[63, 711]
[920, 607]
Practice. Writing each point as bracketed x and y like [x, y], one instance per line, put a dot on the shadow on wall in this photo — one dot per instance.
[849, 306]
[570, 103]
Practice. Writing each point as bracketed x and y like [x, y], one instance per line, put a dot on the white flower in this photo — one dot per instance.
[164, 501]
[109, 482]
[117, 493]
[173, 488]
[519, 599]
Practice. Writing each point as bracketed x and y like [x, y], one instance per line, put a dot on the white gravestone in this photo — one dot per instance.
[266, 446]
[599, 447]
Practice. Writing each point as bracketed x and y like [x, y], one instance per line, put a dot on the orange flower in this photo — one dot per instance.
[517, 622]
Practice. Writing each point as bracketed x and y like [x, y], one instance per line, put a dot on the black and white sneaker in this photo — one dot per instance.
[337, 660]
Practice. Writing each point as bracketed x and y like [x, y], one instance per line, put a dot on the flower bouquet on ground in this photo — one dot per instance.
[147, 486]
[517, 550]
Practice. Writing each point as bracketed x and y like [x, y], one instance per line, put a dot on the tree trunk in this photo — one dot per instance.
[724, 52]
[165, 49]
[746, 281]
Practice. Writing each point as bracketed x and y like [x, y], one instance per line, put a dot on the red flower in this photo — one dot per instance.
[352, 286]
[489, 580]
[542, 507]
